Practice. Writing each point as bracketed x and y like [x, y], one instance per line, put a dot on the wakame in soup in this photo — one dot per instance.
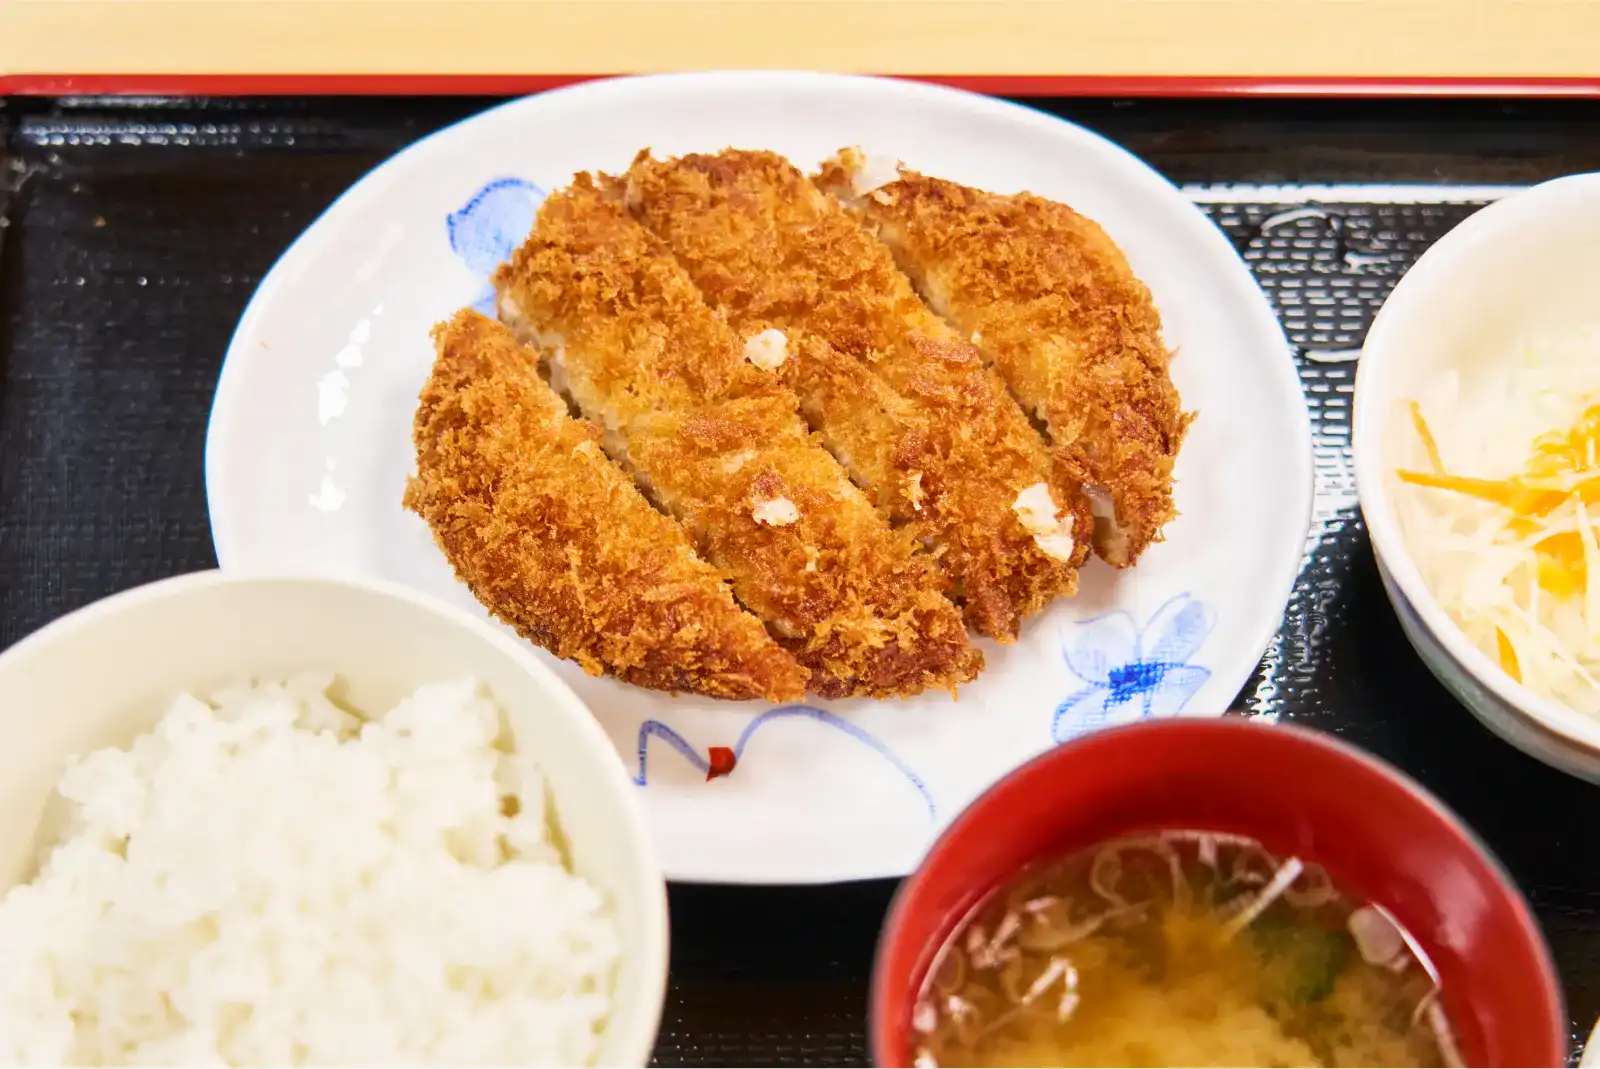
[1179, 949]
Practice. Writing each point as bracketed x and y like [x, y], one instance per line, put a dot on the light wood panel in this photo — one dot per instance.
[1241, 39]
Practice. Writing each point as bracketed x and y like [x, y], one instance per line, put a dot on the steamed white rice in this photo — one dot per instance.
[265, 879]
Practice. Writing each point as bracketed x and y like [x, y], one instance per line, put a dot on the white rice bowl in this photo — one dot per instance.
[266, 879]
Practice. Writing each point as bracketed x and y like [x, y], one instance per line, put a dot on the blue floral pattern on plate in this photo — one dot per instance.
[486, 230]
[723, 760]
[1134, 673]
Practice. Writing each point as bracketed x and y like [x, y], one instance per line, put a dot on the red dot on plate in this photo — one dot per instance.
[722, 762]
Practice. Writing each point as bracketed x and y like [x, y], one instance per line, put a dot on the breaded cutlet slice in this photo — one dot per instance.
[717, 441]
[919, 419]
[882, 439]
[747, 478]
[1053, 305]
[557, 541]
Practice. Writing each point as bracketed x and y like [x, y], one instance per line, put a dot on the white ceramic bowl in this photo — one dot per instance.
[1527, 264]
[102, 675]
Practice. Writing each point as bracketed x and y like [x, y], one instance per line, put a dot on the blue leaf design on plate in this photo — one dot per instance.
[487, 303]
[488, 228]
[1106, 642]
[1180, 683]
[656, 729]
[1180, 626]
[1130, 674]
[1082, 712]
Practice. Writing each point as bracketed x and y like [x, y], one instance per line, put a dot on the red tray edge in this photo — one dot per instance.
[45, 84]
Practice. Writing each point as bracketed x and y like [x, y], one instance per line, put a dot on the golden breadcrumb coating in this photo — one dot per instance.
[907, 405]
[556, 540]
[1053, 305]
[717, 441]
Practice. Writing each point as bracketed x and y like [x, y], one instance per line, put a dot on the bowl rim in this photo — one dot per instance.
[1368, 410]
[1591, 1049]
[1526, 922]
[636, 1040]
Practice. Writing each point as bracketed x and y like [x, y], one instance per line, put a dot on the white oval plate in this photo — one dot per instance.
[309, 448]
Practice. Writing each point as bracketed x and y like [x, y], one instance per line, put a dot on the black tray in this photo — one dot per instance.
[133, 232]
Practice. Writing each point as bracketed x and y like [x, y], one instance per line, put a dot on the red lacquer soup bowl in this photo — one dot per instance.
[1381, 837]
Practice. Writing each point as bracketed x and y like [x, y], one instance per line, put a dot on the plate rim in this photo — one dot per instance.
[1264, 321]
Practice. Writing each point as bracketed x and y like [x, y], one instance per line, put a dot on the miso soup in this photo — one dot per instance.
[1179, 949]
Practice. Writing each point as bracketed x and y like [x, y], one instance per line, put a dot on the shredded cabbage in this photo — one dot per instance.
[1498, 494]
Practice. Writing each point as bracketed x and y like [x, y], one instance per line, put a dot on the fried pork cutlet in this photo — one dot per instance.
[557, 541]
[716, 440]
[1052, 304]
[905, 403]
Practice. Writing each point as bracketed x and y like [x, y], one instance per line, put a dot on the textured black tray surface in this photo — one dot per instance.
[132, 233]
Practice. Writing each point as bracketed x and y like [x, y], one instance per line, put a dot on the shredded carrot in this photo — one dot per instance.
[1429, 445]
[1562, 569]
[1568, 451]
[1560, 470]
[1508, 655]
[1525, 572]
[1512, 494]
[1585, 490]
